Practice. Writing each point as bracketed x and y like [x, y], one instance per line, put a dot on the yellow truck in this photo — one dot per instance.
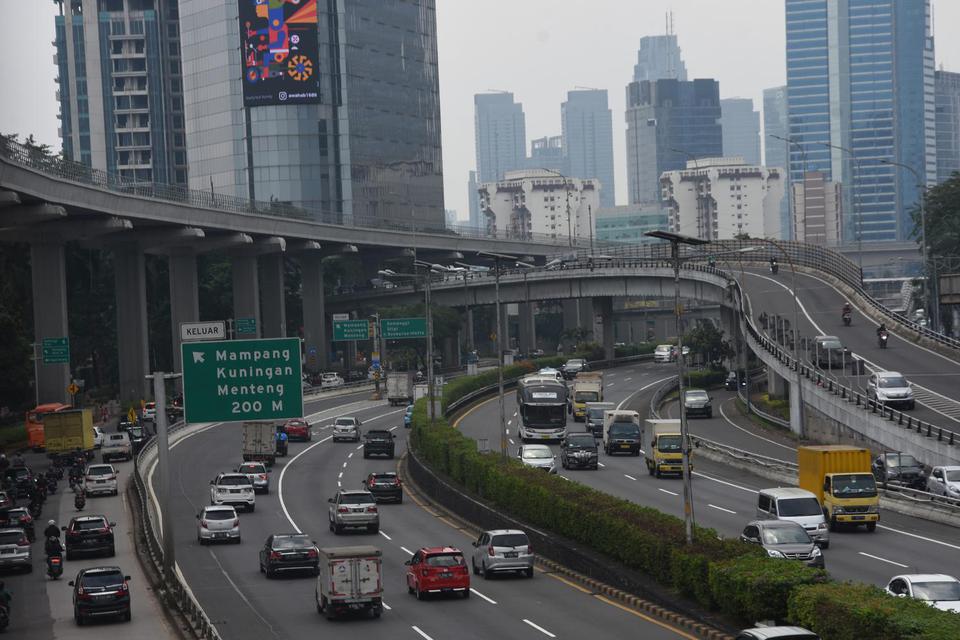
[66, 431]
[587, 387]
[840, 477]
[661, 447]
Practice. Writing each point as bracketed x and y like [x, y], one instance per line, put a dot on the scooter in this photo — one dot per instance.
[774, 267]
[54, 558]
[882, 339]
[80, 501]
[847, 318]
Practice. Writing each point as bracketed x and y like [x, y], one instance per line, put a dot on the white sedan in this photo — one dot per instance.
[945, 481]
[936, 589]
[328, 380]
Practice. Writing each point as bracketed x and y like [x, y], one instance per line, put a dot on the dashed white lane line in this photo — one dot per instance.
[340, 475]
[611, 384]
[670, 492]
[713, 506]
[359, 447]
[421, 633]
[386, 606]
[391, 428]
[511, 441]
[897, 564]
[477, 593]
[629, 477]
[540, 629]
[509, 422]
[385, 535]
[344, 465]
[407, 550]
[507, 431]
[627, 379]
[600, 464]
[514, 414]
[351, 454]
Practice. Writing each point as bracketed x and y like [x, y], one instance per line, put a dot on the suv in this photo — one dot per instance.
[89, 534]
[289, 552]
[353, 508]
[777, 633]
[138, 437]
[117, 445]
[826, 351]
[233, 489]
[900, 467]
[573, 367]
[384, 485]
[502, 550]
[15, 550]
[579, 451]
[663, 353]
[378, 442]
[784, 539]
[594, 417]
[346, 428]
[696, 402]
[99, 592]
[328, 380]
[258, 475]
[100, 478]
[891, 389]
[437, 570]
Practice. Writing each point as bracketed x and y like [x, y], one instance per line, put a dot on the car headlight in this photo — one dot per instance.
[837, 510]
[816, 553]
[821, 526]
[873, 509]
[953, 489]
[773, 553]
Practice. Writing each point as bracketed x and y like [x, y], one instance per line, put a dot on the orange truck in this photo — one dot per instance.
[35, 433]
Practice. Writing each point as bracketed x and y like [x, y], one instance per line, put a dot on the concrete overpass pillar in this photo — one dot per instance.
[273, 296]
[132, 338]
[49, 279]
[776, 385]
[603, 314]
[246, 294]
[314, 322]
[796, 422]
[184, 297]
[528, 332]
[505, 325]
[468, 339]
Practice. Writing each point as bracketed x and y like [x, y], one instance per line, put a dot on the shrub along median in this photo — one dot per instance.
[724, 575]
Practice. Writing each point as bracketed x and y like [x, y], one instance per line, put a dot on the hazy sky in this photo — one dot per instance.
[538, 49]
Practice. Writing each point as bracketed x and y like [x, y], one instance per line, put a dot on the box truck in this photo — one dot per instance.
[350, 581]
[260, 442]
[587, 387]
[840, 477]
[68, 430]
[662, 447]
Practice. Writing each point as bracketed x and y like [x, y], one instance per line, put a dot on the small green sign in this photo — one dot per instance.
[56, 350]
[351, 330]
[233, 380]
[245, 326]
[399, 328]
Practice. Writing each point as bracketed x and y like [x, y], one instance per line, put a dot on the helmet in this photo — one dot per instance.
[51, 523]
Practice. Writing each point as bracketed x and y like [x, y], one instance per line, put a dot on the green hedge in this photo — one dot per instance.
[758, 589]
[634, 349]
[706, 378]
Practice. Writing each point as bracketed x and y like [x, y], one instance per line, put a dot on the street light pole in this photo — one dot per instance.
[497, 258]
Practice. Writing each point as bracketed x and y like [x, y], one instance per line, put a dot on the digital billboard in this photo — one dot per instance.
[278, 40]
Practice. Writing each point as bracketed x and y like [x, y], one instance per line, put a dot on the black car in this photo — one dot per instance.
[385, 486]
[89, 534]
[900, 467]
[21, 479]
[573, 367]
[378, 442]
[289, 552]
[579, 451]
[138, 437]
[100, 592]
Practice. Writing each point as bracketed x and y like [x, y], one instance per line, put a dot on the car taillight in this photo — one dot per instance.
[83, 595]
[371, 509]
[263, 476]
[490, 551]
[203, 523]
[124, 587]
[23, 542]
[312, 553]
[73, 534]
[275, 555]
[343, 510]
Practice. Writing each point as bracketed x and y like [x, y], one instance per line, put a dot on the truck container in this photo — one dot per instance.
[260, 442]
[34, 423]
[662, 447]
[399, 387]
[350, 581]
[621, 432]
[840, 477]
[67, 431]
[587, 387]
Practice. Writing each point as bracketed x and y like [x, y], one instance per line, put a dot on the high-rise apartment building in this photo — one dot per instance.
[629, 223]
[818, 204]
[588, 139]
[860, 77]
[501, 135]
[120, 87]
[948, 124]
[659, 59]
[669, 122]
[741, 129]
[776, 148]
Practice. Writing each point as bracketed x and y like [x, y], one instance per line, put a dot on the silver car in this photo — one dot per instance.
[15, 550]
[346, 428]
[216, 523]
[502, 550]
[353, 508]
[538, 456]
[100, 478]
[234, 489]
[891, 389]
[945, 481]
[784, 539]
[258, 475]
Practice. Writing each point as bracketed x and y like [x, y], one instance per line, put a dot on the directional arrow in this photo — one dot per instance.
[197, 357]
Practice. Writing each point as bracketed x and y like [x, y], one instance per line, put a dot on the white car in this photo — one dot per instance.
[936, 589]
[233, 489]
[149, 411]
[116, 445]
[328, 380]
[945, 481]
[891, 389]
[550, 371]
[538, 456]
[100, 478]
[218, 523]
[663, 353]
[346, 428]
[97, 437]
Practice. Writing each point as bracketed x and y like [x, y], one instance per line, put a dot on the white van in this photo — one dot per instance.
[116, 445]
[796, 505]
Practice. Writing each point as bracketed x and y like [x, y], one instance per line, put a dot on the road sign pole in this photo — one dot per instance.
[163, 461]
[36, 374]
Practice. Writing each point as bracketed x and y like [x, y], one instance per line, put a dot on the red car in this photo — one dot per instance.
[438, 570]
[298, 430]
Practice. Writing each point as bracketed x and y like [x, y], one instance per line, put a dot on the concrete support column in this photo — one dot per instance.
[603, 320]
[49, 278]
[527, 333]
[468, 337]
[796, 423]
[571, 314]
[246, 293]
[184, 296]
[314, 321]
[273, 298]
[505, 325]
[132, 338]
[776, 385]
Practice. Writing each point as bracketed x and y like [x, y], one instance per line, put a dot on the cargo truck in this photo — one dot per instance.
[594, 417]
[840, 477]
[260, 442]
[68, 431]
[350, 581]
[621, 432]
[34, 423]
[587, 387]
[662, 447]
[399, 388]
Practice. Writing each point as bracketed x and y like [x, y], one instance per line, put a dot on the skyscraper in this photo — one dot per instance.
[741, 129]
[547, 153]
[775, 150]
[668, 123]
[120, 88]
[501, 135]
[588, 139]
[948, 124]
[473, 200]
[658, 59]
[860, 77]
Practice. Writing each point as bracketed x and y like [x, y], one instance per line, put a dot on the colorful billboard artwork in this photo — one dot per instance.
[279, 45]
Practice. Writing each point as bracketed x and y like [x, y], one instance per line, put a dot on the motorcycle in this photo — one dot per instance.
[847, 318]
[774, 267]
[80, 501]
[882, 339]
[54, 557]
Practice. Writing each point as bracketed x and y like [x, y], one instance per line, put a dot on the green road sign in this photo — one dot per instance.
[246, 326]
[351, 330]
[232, 380]
[56, 350]
[397, 328]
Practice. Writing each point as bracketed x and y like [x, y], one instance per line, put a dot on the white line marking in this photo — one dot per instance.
[629, 477]
[407, 550]
[359, 447]
[600, 464]
[918, 537]
[713, 506]
[883, 560]
[344, 465]
[608, 386]
[514, 414]
[507, 431]
[351, 454]
[385, 535]
[511, 441]
[475, 592]
[339, 484]
[283, 472]
[422, 634]
[509, 422]
[644, 388]
[627, 379]
[750, 433]
[666, 491]
[724, 482]
[339, 475]
[391, 428]
[539, 628]
[237, 589]
[386, 606]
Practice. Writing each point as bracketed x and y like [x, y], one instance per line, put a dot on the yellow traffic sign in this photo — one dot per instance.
[131, 415]
[73, 389]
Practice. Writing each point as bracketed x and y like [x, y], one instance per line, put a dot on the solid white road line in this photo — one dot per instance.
[283, 472]
[666, 491]
[600, 464]
[643, 388]
[420, 631]
[713, 506]
[407, 550]
[475, 592]
[750, 433]
[385, 535]
[883, 560]
[629, 477]
[539, 628]
[386, 606]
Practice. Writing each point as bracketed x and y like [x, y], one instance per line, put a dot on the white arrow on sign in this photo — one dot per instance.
[198, 357]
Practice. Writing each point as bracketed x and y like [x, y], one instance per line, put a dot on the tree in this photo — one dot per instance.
[943, 219]
[707, 341]
[16, 373]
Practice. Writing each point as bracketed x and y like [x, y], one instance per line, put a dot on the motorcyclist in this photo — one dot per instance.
[53, 547]
[882, 329]
[282, 439]
[847, 308]
[52, 530]
[18, 460]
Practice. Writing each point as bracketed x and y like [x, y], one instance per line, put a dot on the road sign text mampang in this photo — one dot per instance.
[274, 367]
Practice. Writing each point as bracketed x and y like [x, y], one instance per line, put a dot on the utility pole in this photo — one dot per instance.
[497, 258]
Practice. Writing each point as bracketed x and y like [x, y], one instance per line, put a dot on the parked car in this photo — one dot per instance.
[378, 442]
[579, 451]
[258, 474]
[784, 539]
[385, 486]
[900, 467]
[329, 380]
[538, 456]
[696, 402]
[284, 552]
[116, 445]
[100, 592]
[298, 430]
[408, 416]
[100, 478]
[218, 523]
[353, 508]
[936, 589]
[15, 550]
[663, 353]
[89, 534]
[434, 570]
[502, 550]
[891, 389]
[945, 481]
[346, 428]
[233, 489]
[777, 633]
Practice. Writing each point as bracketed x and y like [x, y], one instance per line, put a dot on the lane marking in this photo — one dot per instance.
[870, 555]
[475, 592]
[386, 606]
[627, 379]
[283, 472]
[539, 628]
[391, 428]
[385, 535]
[240, 593]
[468, 412]
[713, 506]
[509, 422]
[629, 477]
[359, 447]
[600, 464]
[351, 454]
[659, 623]
[511, 441]
[420, 631]
[750, 433]
[610, 385]
[666, 491]
[407, 550]
[724, 482]
[344, 465]
[643, 388]
[340, 475]
[919, 537]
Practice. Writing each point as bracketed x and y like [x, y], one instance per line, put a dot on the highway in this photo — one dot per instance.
[244, 604]
[724, 498]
